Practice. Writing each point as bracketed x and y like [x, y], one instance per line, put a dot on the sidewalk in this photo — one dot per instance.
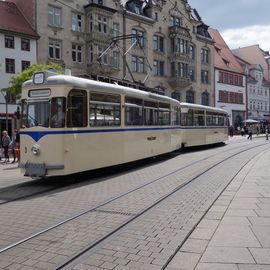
[235, 233]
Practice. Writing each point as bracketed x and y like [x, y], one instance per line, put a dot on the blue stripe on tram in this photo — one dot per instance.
[37, 135]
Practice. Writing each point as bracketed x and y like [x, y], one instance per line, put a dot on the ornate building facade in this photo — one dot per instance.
[157, 45]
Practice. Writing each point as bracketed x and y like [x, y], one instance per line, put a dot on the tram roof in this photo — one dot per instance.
[203, 107]
[99, 86]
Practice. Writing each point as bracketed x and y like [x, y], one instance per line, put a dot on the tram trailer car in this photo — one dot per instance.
[72, 124]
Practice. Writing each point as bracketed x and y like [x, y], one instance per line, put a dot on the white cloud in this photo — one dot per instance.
[246, 36]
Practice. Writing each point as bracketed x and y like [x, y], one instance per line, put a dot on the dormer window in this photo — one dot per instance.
[137, 9]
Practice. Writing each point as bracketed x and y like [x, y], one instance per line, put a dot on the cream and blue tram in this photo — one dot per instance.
[203, 125]
[72, 124]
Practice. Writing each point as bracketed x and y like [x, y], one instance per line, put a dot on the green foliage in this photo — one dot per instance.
[17, 80]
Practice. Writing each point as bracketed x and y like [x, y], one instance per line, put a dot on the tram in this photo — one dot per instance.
[72, 124]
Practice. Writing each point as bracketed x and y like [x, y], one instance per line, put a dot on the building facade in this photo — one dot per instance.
[230, 82]
[258, 94]
[161, 46]
[17, 52]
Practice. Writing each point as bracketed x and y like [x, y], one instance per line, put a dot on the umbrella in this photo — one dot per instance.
[251, 121]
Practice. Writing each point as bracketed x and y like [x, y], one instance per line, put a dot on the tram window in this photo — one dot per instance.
[58, 112]
[150, 112]
[221, 121]
[133, 111]
[77, 108]
[104, 110]
[212, 119]
[38, 114]
[187, 118]
[175, 115]
[199, 118]
[164, 114]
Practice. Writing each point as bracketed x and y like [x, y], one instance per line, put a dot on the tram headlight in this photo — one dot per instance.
[35, 149]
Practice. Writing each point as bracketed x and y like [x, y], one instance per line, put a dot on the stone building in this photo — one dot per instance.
[157, 45]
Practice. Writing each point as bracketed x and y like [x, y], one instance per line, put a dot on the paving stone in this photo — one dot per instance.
[184, 260]
[234, 236]
[194, 246]
[202, 233]
[261, 255]
[216, 266]
[263, 235]
[227, 255]
[239, 221]
[253, 267]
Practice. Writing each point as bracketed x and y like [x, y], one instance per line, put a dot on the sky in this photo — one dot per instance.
[241, 22]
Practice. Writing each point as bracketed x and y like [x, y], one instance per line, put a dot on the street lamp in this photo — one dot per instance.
[4, 93]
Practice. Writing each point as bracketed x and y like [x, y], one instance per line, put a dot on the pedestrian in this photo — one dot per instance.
[12, 145]
[266, 133]
[17, 139]
[5, 144]
[242, 131]
[231, 130]
[258, 130]
[249, 133]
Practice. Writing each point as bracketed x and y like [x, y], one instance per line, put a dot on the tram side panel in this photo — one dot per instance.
[203, 136]
[93, 150]
[150, 142]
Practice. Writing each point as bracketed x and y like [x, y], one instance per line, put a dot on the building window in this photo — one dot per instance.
[76, 22]
[54, 15]
[192, 52]
[76, 53]
[179, 70]
[205, 56]
[54, 49]
[175, 21]
[205, 99]
[102, 24]
[138, 36]
[137, 64]
[25, 44]
[9, 42]
[190, 96]
[176, 95]
[104, 58]
[91, 54]
[205, 76]
[158, 68]
[116, 30]
[25, 65]
[10, 65]
[179, 45]
[158, 43]
[116, 59]
[223, 96]
[137, 9]
[192, 74]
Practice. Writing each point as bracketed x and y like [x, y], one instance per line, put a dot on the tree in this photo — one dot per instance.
[17, 80]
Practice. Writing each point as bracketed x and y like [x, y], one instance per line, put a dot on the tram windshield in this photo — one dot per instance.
[38, 114]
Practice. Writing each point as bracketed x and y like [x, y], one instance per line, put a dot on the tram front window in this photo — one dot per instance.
[38, 114]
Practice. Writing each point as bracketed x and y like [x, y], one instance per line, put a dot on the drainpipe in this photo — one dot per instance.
[124, 44]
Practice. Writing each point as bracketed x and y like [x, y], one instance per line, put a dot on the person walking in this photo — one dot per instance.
[12, 145]
[249, 133]
[266, 133]
[5, 144]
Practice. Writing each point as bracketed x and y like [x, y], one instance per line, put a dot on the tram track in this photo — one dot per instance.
[132, 216]
[24, 191]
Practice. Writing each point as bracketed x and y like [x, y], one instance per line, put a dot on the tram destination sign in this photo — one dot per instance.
[39, 93]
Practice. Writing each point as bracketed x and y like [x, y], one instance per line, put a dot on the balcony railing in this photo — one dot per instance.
[180, 82]
[180, 31]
